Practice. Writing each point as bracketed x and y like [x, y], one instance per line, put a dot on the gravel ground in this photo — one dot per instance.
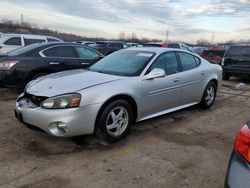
[188, 148]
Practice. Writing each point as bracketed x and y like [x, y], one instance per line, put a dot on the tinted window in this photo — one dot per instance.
[123, 62]
[152, 45]
[173, 45]
[86, 53]
[60, 51]
[52, 40]
[238, 50]
[25, 49]
[32, 41]
[187, 61]
[116, 45]
[167, 62]
[16, 41]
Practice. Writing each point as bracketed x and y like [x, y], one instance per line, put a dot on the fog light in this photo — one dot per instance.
[58, 128]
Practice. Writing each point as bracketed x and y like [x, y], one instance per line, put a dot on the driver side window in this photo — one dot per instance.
[167, 62]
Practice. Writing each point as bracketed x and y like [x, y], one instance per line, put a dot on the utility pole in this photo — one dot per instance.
[212, 41]
[167, 34]
[22, 19]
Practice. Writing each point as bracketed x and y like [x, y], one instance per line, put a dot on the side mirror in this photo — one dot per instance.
[155, 73]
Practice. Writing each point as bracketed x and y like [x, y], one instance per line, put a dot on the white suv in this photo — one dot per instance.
[9, 42]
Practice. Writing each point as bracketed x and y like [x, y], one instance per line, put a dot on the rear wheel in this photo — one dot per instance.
[209, 95]
[114, 121]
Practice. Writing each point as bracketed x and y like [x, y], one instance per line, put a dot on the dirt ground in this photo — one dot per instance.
[188, 148]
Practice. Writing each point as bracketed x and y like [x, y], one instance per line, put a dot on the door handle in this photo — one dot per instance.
[84, 63]
[203, 73]
[54, 63]
[176, 79]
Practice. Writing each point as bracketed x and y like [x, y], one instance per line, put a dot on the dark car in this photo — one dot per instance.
[108, 47]
[20, 66]
[177, 45]
[236, 61]
[238, 172]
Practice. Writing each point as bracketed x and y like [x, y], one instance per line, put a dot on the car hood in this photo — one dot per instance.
[67, 82]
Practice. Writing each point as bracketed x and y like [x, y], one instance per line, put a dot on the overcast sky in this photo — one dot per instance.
[187, 20]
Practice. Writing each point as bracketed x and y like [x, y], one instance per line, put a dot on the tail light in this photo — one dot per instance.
[242, 142]
[6, 65]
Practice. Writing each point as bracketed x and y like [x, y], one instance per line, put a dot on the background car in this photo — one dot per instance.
[238, 172]
[20, 66]
[9, 42]
[199, 50]
[108, 47]
[87, 43]
[132, 44]
[236, 61]
[169, 45]
[122, 88]
[213, 56]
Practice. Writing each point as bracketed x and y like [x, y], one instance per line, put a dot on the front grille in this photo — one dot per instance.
[37, 100]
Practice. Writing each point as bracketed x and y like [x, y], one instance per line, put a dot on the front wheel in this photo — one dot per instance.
[209, 95]
[114, 121]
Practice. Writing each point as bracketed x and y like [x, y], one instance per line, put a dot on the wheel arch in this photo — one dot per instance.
[125, 97]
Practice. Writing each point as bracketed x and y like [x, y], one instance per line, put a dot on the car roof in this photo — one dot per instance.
[7, 35]
[154, 49]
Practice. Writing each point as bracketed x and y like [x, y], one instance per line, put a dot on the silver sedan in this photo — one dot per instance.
[127, 86]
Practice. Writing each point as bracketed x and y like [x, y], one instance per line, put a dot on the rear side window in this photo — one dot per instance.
[52, 40]
[60, 51]
[32, 41]
[14, 41]
[85, 53]
[188, 61]
[167, 62]
[238, 50]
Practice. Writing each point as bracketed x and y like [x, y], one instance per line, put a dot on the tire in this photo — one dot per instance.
[225, 76]
[110, 126]
[208, 101]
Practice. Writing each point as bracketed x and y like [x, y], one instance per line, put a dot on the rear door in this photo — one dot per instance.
[87, 56]
[192, 78]
[60, 58]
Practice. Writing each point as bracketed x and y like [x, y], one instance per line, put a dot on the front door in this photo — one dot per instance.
[161, 94]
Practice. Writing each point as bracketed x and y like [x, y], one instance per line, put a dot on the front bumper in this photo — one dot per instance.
[237, 70]
[238, 173]
[78, 121]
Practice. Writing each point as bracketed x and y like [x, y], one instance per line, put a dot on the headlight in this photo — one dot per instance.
[63, 101]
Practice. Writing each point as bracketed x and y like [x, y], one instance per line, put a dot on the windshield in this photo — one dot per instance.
[123, 62]
[238, 50]
[24, 49]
